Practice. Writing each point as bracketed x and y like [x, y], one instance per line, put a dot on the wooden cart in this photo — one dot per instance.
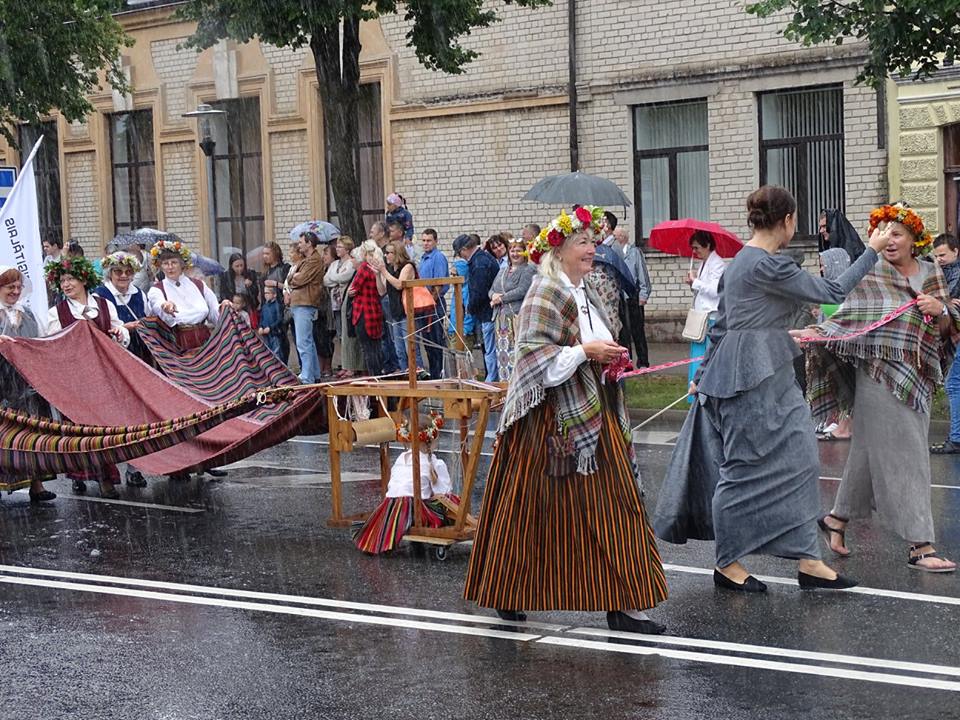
[461, 397]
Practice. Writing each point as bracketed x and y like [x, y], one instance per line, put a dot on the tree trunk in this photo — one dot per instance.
[339, 99]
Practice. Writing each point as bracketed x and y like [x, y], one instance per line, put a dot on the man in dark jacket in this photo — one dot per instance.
[482, 268]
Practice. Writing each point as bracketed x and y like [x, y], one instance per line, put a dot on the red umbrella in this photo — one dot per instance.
[673, 237]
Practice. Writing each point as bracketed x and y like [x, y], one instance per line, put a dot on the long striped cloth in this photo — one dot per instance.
[906, 354]
[93, 381]
[231, 364]
[33, 446]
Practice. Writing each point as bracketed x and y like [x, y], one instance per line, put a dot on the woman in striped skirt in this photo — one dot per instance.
[563, 526]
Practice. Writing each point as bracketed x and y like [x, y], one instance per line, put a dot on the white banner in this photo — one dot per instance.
[20, 245]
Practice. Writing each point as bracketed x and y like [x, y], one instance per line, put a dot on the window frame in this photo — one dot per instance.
[137, 219]
[235, 163]
[801, 192]
[670, 153]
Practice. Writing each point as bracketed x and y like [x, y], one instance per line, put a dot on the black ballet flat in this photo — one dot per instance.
[216, 472]
[512, 615]
[79, 486]
[135, 479]
[812, 582]
[750, 585]
[42, 496]
[617, 620]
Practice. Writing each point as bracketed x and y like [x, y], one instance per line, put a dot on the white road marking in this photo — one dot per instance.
[877, 592]
[263, 607]
[916, 680]
[774, 651]
[131, 503]
[942, 487]
[913, 681]
[276, 597]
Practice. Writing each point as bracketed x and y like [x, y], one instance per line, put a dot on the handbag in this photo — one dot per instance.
[695, 328]
[422, 301]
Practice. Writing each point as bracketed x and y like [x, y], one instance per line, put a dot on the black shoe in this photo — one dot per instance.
[812, 582]
[750, 585]
[134, 478]
[79, 486]
[512, 615]
[617, 620]
[216, 472]
[42, 496]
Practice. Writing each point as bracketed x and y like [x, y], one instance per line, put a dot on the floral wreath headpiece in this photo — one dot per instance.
[906, 217]
[120, 259]
[585, 217]
[427, 434]
[79, 267]
[174, 246]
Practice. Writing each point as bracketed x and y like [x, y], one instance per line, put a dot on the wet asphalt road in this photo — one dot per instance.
[234, 600]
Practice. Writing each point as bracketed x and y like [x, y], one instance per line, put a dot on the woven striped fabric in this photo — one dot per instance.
[563, 543]
[233, 363]
[32, 445]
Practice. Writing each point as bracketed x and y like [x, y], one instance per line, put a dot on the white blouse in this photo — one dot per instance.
[707, 283]
[77, 309]
[401, 476]
[193, 307]
[566, 362]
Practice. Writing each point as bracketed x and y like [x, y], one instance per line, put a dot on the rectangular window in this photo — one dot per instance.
[46, 168]
[132, 165]
[671, 168]
[237, 179]
[801, 148]
[367, 157]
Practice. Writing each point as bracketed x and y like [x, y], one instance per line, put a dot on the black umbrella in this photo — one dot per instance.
[577, 187]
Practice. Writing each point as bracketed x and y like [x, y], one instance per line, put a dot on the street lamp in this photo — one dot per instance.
[205, 115]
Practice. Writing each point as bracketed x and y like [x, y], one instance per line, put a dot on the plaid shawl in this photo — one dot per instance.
[907, 354]
[548, 321]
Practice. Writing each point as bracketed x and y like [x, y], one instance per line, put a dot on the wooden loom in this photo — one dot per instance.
[461, 399]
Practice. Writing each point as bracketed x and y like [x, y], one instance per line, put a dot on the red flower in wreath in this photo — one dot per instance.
[535, 256]
[584, 215]
[555, 238]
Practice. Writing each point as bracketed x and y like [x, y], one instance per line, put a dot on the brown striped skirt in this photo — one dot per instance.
[563, 543]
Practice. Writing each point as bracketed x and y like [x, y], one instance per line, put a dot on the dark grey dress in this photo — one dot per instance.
[767, 497]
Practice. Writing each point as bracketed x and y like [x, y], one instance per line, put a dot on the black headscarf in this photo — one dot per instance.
[842, 235]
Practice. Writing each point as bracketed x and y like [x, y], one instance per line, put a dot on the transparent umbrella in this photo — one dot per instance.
[324, 230]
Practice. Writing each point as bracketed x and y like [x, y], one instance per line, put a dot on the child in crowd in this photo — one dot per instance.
[946, 251]
[241, 306]
[271, 314]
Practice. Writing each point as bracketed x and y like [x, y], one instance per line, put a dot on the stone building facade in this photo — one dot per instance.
[687, 106]
[924, 122]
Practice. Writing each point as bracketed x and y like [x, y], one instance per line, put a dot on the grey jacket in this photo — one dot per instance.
[513, 286]
[637, 264]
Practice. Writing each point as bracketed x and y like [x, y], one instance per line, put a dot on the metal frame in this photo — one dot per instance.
[133, 178]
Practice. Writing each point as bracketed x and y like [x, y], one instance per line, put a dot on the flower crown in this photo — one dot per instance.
[427, 434]
[906, 217]
[585, 217]
[174, 246]
[120, 259]
[79, 267]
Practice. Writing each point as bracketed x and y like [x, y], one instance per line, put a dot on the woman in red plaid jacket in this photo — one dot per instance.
[367, 315]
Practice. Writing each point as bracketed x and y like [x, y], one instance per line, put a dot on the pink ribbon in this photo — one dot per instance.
[617, 370]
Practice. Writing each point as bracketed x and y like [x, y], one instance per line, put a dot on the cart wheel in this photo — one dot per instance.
[440, 552]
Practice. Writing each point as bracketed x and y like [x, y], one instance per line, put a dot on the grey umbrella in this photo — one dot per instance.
[577, 187]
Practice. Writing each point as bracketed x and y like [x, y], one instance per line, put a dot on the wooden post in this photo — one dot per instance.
[472, 462]
[333, 421]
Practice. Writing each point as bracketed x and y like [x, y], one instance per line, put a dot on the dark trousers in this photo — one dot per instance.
[387, 349]
[370, 349]
[433, 336]
[634, 333]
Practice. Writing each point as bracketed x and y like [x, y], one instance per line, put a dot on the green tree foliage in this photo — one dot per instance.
[331, 28]
[906, 37]
[51, 55]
